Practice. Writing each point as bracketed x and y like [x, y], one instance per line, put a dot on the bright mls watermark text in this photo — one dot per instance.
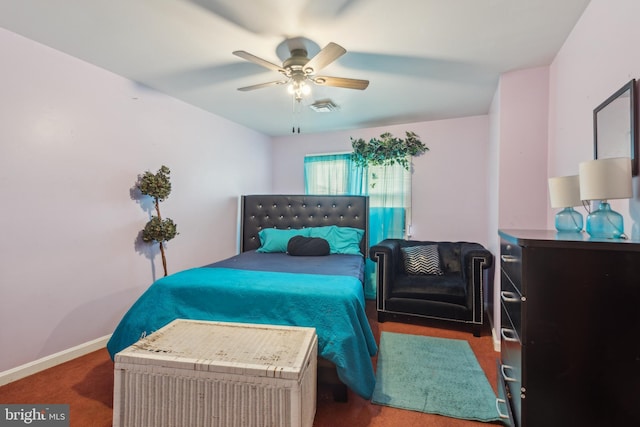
[34, 415]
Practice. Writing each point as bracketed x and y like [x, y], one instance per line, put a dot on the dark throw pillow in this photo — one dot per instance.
[307, 246]
[422, 260]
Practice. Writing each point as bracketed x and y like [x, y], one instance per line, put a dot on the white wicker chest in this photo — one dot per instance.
[217, 374]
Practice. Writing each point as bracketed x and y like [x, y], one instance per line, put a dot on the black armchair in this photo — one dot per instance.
[447, 284]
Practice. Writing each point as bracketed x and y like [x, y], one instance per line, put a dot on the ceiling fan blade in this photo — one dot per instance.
[341, 82]
[249, 57]
[326, 56]
[261, 85]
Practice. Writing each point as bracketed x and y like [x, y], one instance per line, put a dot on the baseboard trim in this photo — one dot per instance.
[47, 362]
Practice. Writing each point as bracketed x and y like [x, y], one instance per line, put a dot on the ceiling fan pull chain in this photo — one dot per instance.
[296, 112]
[293, 116]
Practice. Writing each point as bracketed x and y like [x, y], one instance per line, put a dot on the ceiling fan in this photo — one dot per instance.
[298, 70]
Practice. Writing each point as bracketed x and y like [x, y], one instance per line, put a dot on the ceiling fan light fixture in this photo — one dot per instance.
[298, 89]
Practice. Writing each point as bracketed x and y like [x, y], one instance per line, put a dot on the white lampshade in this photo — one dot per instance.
[564, 191]
[606, 179]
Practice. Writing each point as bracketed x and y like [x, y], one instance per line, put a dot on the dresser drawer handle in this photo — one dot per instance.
[501, 402]
[507, 296]
[509, 258]
[506, 377]
[509, 335]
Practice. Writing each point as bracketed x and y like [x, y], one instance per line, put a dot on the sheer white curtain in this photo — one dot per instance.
[332, 174]
[388, 188]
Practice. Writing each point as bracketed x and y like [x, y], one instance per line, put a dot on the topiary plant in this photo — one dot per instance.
[387, 150]
[157, 229]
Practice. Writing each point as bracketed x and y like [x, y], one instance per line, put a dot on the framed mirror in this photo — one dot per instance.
[614, 126]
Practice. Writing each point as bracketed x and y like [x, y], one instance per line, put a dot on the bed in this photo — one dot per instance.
[263, 284]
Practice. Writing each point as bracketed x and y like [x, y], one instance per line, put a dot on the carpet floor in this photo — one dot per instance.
[86, 383]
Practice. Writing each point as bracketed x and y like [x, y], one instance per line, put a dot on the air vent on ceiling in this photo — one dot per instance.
[324, 106]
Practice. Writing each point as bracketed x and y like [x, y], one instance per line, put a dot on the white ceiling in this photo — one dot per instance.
[425, 59]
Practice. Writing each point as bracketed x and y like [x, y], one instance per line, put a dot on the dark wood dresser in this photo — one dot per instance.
[570, 330]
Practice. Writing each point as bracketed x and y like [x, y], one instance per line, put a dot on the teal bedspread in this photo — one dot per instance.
[334, 305]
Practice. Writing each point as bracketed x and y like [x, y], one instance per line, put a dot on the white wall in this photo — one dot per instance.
[517, 161]
[73, 139]
[522, 151]
[450, 181]
[596, 60]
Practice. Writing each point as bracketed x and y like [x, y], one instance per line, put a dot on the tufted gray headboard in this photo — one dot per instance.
[300, 211]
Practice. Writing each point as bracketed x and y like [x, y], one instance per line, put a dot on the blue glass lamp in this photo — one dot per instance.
[602, 180]
[564, 192]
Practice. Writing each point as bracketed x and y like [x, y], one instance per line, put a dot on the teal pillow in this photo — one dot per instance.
[275, 240]
[346, 240]
[322, 232]
[342, 240]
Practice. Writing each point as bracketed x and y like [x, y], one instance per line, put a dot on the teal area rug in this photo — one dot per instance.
[433, 375]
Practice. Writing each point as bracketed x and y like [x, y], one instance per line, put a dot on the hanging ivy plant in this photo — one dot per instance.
[387, 150]
[157, 229]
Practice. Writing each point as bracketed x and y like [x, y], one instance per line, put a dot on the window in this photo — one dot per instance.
[332, 174]
[388, 188]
